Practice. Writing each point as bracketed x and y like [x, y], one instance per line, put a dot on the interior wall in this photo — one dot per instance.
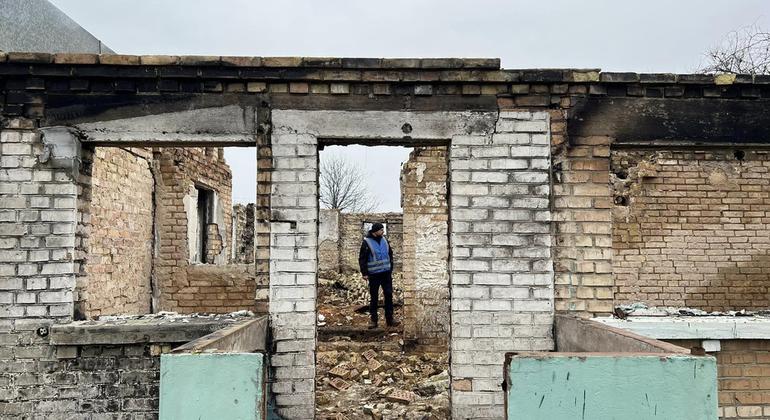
[118, 261]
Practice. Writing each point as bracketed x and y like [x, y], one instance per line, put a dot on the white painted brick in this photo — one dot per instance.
[531, 126]
[530, 151]
[486, 278]
[490, 177]
[491, 305]
[530, 177]
[469, 189]
[472, 292]
[512, 138]
[490, 151]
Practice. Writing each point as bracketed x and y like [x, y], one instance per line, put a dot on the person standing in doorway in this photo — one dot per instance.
[376, 263]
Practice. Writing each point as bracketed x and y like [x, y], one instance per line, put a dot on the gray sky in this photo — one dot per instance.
[648, 36]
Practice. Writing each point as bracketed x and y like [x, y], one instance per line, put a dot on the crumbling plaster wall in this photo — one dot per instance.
[690, 228]
[328, 241]
[426, 247]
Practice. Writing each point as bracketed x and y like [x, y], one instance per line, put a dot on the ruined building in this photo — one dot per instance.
[549, 196]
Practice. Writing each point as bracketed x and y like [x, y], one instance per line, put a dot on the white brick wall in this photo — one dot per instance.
[37, 232]
[293, 266]
[502, 280]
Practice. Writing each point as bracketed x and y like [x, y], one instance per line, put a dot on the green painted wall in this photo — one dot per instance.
[212, 386]
[599, 387]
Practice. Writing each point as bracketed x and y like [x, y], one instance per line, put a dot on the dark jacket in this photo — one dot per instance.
[363, 255]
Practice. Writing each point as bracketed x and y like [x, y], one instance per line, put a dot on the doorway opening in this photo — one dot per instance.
[387, 370]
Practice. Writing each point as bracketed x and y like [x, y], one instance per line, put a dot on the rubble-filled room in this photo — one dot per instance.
[395, 369]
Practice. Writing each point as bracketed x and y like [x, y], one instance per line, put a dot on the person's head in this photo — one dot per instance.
[377, 230]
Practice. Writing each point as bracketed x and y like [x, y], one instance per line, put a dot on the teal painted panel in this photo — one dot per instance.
[599, 387]
[212, 386]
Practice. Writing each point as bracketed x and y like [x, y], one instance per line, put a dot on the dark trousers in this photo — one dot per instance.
[384, 280]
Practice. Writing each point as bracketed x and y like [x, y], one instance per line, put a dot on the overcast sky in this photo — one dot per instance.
[643, 36]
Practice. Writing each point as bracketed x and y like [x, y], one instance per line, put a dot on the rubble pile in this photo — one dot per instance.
[641, 309]
[381, 384]
[353, 290]
[366, 374]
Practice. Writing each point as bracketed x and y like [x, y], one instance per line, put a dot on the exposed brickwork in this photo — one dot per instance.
[502, 271]
[120, 241]
[101, 382]
[181, 169]
[38, 199]
[582, 222]
[293, 266]
[693, 230]
[744, 377]
[218, 288]
[426, 247]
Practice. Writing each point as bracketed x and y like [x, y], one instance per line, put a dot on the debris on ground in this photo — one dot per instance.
[366, 374]
[641, 309]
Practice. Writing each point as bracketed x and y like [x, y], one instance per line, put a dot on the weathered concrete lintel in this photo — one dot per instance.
[132, 331]
[230, 125]
[699, 328]
[403, 126]
[249, 336]
[580, 335]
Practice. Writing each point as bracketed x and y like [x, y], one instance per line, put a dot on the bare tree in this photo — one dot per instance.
[343, 186]
[744, 51]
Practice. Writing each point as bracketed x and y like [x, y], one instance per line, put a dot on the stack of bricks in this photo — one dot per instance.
[119, 245]
[502, 278]
[293, 266]
[426, 248]
[582, 220]
[693, 230]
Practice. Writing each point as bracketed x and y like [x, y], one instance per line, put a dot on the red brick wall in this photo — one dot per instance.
[180, 169]
[690, 228]
[744, 377]
[582, 222]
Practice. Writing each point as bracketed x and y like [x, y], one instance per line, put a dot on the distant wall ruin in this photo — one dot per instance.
[341, 234]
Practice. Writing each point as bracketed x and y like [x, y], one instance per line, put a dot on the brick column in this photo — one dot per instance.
[502, 272]
[38, 219]
[293, 265]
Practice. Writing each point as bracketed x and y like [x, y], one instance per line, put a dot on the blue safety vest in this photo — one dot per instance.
[379, 257]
